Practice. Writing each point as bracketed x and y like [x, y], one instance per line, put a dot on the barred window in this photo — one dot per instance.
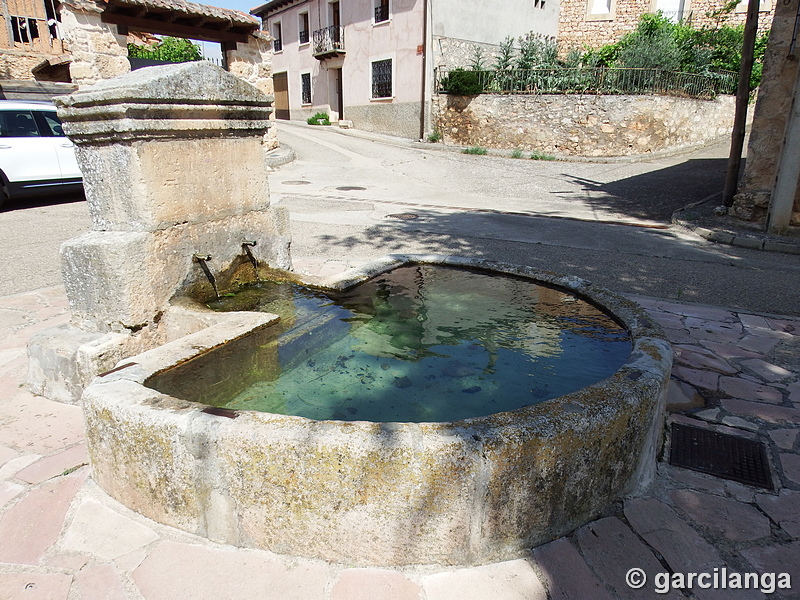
[306, 85]
[304, 28]
[382, 78]
[381, 11]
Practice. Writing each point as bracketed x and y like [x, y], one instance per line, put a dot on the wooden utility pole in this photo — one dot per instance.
[742, 98]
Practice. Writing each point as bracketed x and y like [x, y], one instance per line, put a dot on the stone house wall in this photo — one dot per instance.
[586, 125]
[579, 29]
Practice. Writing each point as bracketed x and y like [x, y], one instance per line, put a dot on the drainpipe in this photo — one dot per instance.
[422, 111]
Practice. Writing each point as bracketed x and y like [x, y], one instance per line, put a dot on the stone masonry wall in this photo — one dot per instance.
[581, 125]
[253, 63]
[769, 122]
[576, 29]
[18, 64]
[98, 51]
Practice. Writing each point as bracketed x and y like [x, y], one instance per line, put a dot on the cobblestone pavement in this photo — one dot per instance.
[61, 537]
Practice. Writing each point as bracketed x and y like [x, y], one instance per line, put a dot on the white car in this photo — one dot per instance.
[35, 157]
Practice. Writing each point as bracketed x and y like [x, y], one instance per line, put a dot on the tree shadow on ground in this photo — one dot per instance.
[657, 194]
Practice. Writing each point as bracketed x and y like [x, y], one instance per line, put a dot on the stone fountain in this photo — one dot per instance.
[173, 159]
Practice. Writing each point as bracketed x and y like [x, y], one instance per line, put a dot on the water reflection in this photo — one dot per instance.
[420, 343]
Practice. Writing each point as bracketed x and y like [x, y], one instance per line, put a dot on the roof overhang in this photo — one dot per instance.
[180, 19]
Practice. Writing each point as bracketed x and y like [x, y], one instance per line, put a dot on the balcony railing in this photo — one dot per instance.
[328, 42]
[303, 36]
[277, 45]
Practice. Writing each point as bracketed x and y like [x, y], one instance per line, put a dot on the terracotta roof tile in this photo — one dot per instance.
[190, 8]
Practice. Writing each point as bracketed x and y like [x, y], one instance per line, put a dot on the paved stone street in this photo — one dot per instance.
[736, 370]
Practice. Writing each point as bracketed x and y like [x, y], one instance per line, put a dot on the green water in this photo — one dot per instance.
[420, 343]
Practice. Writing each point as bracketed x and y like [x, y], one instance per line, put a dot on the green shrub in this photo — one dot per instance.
[475, 150]
[517, 153]
[462, 83]
[320, 116]
[541, 156]
[435, 136]
[169, 49]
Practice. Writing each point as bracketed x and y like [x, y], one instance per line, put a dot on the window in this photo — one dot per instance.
[382, 78]
[600, 10]
[381, 11]
[305, 82]
[17, 123]
[277, 43]
[304, 27]
[24, 30]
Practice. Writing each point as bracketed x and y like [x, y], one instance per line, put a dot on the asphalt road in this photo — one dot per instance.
[354, 196]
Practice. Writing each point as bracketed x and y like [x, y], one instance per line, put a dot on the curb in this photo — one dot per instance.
[732, 237]
[280, 156]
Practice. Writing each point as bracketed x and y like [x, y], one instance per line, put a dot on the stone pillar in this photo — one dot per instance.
[769, 120]
[98, 51]
[253, 63]
[174, 165]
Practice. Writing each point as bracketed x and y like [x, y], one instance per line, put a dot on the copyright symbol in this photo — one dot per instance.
[636, 578]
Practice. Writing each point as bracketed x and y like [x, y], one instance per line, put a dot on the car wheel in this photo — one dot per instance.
[4, 192]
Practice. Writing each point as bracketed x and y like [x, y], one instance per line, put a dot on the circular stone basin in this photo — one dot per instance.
[465, 491]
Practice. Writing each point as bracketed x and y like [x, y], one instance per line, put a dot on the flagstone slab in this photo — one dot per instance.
[693, 479]
[766, 412]
[729, 350]
[698, 357]
[785, 439]
[750, 390]
[174, 570]
[785, 325]
[783, 509]
[679, 336]
[510, 580]
[35, 424]
[731, 519]
[762, 345]
[566, 574]
[611, 549]
[15, 465]
[766, 371]
[714, 331]
[54, 465]
[754, 321]
[8, 491]
[680, 545]
[72, 562]
[794, 392]
[777, 558]
[100, 582]
[32, 525]
[100, 531]
[34, 586]
[791, 467]
[707, 380]
[368, 584]
[706, 313]
[681, 396]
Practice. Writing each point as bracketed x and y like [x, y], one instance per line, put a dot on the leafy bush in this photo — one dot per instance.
[320, 116]
[516, 153]
[541, 156]
[169, 49]
[435, 136]
[462, 83]
[479, 150]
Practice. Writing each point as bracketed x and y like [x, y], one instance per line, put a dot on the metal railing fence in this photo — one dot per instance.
[585, 80]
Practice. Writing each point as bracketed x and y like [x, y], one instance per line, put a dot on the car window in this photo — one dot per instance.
[17, 123]
[53, 123]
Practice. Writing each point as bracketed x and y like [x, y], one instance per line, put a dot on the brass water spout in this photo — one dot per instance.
[246, 244]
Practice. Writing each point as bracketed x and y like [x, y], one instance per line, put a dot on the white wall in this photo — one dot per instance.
[490, 21]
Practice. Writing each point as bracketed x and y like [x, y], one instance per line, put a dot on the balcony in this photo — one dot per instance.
[328, 42]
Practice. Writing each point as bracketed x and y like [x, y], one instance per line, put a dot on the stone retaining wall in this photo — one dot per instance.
[583, 125]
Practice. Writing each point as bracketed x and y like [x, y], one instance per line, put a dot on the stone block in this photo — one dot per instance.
[366, 584]
[146, 186]
[141, 271]
[565, 573]
[511, 580]
[732, 520]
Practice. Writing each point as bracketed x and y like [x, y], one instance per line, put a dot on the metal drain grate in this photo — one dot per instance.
[351, 188]
[720, 454]
[403, 216]
[296, 182]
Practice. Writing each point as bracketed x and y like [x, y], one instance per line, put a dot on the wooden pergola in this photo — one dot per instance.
[179, 19]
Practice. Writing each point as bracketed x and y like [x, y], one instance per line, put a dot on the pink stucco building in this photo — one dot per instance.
[372, 61]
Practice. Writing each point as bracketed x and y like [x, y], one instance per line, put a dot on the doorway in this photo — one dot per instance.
[336, 99]
[281, 83]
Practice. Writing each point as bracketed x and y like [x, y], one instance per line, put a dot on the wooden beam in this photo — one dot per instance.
[173, 29]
